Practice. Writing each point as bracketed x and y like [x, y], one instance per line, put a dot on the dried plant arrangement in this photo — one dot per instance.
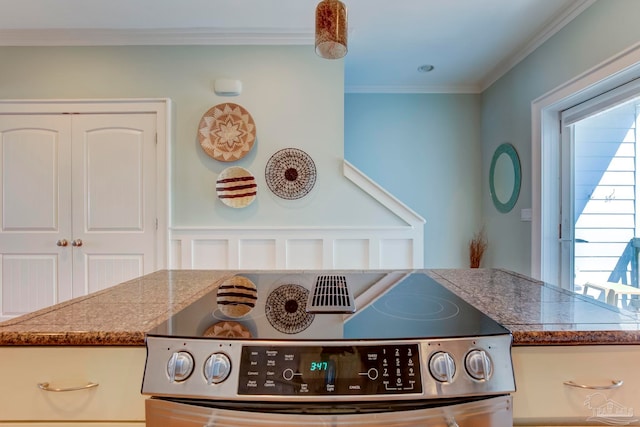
[477, 246]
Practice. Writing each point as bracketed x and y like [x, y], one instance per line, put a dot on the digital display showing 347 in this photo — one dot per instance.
[319, 366]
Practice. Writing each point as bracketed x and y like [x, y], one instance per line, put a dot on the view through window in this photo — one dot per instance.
[604, 186]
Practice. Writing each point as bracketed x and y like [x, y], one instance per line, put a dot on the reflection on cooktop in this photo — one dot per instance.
[398, 305]
[419, 307]
[416, 307]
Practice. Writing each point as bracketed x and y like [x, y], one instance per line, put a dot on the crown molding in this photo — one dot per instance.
[462, 88]
[547, 32]
[178, 36]
[267, 36]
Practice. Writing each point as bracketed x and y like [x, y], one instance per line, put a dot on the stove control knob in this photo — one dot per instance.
[442, 367]
[478, 364]
[217, 368]
[180, 366]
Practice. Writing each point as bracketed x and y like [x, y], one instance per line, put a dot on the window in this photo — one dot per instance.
[559, 216]
[599, 192]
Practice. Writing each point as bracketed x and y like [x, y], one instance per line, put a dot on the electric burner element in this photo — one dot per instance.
[286, 309]
[417, 307]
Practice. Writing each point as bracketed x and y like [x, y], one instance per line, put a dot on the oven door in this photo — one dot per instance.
[488, 412]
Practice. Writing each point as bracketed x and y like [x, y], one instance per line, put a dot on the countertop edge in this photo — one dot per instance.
[131, 339]
[573, 338]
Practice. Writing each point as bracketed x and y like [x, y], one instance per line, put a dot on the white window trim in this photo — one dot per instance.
[545, 138]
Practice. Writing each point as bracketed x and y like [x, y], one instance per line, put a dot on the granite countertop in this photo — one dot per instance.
[120, 315]
[535, 313]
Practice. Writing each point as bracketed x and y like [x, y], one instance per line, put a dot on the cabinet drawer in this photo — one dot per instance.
[117, 371]
[542, 398]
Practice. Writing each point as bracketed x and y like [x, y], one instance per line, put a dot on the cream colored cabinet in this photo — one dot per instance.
[115, 401]
[543, 399]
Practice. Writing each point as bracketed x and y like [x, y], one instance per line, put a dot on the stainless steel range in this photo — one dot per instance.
[329, 349]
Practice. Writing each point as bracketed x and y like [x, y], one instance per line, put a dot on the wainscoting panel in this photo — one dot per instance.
[210, 254]
[351, 253]
[305, 254]
[286, 248]
[257, 254]
[396, 253]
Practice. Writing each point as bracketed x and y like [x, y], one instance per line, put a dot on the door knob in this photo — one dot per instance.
[76, 243]
[62, 242]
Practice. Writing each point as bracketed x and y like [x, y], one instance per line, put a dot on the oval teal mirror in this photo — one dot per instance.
[505, 177]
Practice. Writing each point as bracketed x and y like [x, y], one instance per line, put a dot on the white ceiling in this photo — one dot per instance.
[469, 42]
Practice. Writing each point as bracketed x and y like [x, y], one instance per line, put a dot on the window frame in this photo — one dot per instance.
[568, 117]
[546, 142]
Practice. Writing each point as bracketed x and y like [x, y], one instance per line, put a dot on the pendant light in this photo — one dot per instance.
[331, 29]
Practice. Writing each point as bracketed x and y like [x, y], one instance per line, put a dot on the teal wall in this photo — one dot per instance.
[425, 150]
[603, 30]
[433, 151]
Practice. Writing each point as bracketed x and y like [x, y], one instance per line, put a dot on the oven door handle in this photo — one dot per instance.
[614, 384]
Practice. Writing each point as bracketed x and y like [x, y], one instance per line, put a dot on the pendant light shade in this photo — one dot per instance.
[331, 29]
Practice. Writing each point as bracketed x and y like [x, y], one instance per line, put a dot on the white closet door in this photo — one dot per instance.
[35, 187]
[114, 199]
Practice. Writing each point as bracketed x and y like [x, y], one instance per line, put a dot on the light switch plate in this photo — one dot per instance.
[525, 214]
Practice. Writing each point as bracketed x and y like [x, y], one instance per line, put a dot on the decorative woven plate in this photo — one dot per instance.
[236, 296]
[286, 309]
[227, 132]
[290, 173]
[236, 187]
[227, 329]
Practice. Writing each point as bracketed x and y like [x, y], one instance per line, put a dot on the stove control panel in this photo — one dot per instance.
[342, 370]
[330, 370]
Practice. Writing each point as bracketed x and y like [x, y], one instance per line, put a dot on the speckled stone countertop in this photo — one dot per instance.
[120, 315]
[536, 313]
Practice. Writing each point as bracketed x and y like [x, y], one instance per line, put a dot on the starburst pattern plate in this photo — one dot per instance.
[227, 132]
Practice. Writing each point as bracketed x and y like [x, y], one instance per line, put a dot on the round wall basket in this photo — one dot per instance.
[290, 173]
[236, 187]
[227, 132]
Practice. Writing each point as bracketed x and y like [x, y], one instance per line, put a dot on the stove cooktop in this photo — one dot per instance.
[388, 305]
[273, 337]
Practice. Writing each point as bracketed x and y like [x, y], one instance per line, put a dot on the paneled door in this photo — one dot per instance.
[35, 183]
[78, 205]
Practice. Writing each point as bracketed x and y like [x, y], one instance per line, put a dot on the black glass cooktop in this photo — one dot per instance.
[419, 307]
[388, 305]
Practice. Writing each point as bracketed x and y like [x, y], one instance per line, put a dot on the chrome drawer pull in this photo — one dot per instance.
[614, 384]
[46, 387]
